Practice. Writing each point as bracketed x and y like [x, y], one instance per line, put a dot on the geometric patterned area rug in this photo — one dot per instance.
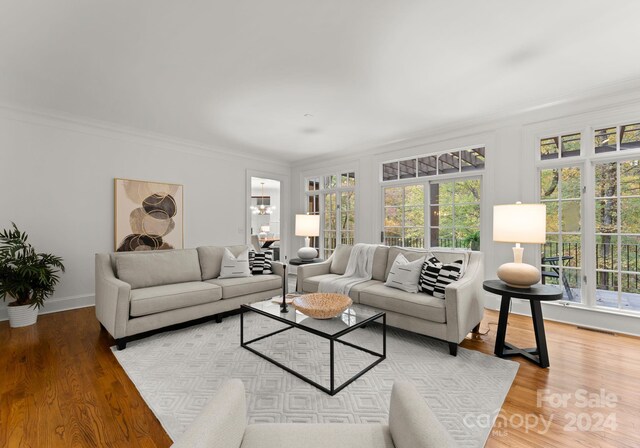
[177, 372]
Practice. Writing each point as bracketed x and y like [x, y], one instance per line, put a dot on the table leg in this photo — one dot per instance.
[502, 325]
[331, 368]
[538, 327]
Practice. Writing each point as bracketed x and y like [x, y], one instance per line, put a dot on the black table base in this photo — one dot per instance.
[332, 389]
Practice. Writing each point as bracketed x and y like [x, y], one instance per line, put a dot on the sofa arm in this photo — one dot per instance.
[277, 268]
[412, 423]
[463, 300]
[311, 270]
[221, 423]
[112, 298]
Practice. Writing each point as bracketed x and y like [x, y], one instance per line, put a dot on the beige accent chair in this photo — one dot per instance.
[449, 319]
[137, 292]
[223, 424]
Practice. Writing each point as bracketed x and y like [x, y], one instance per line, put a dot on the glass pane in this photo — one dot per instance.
[630, 215]
[630, 286]
[550, 249]
[441, 192]
[630, 253]
[570, 183]
[571, 250]
[414, 237]
[348, 200]
[414, 195]
[630, 178]
[571, 145]
[330, 240]
[549, 184]
[467, 191]
[390, 171]
[552, 216]
[427, 166]
[467, 216]
[393, 236]
[606, 179]
[407, 169]
[414, 216]
[313, 184]
[571, 284]
[393, 196]
[392, 216]
[549, 148]
[472, 159]
[444, 215]
[347, 238]
[352, 179]
[449, 163]
[344, 179]
[606, 252]
[441, 237]
[630, 136]
[571, 216]
[606, 215]
[605, 140]
[330, 181]
[607, 289]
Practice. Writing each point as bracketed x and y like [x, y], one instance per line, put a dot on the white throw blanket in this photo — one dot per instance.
[359, 269]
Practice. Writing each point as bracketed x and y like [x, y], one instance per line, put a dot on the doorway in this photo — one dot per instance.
[265, 211]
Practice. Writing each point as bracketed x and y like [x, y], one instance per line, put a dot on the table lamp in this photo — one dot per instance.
[519, 223]
[307, 226]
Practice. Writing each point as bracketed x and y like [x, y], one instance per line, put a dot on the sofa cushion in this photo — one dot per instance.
[235, 287]
[380, 263]
[157, 299]
[319, 435]
[235, 266]
[410, 254]
[435, 276]
[405, 274]
[155, 268]
[211, 259]
[417, 305]
[311, 285]
[341, 255]
[340, 259]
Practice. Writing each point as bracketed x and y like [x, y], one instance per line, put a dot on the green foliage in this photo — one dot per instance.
[26, 275]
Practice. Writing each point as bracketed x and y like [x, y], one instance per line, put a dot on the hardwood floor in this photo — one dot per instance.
[60, 386]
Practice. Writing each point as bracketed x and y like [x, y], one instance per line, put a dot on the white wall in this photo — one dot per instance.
[510, 175]
[56, 183]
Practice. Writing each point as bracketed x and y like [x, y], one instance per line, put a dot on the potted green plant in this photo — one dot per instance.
[472, 241]
[26, 276]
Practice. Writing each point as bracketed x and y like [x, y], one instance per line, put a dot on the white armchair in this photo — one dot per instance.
[223, 424]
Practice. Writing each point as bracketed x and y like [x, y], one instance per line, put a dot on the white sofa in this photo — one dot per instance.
[137, 292]
[223, 424]
[449, 319]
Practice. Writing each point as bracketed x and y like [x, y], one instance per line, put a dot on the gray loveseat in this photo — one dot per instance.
[449, 319]
[223, 424]
[138, 292]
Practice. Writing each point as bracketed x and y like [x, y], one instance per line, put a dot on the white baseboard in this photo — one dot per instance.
[59, 304]
[575, 315]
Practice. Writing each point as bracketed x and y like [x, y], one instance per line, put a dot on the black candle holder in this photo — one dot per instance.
[283, 305]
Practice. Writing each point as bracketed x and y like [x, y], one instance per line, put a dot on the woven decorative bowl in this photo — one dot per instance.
[322, 305]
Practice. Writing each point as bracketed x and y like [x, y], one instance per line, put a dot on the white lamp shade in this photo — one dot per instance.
[307, 225]
[520, 223]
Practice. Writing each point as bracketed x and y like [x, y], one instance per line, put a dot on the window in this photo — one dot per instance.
[561, 192]
[606, 139]
[560, 147]
[617, 207]
[444, 163]
[404, 216]
[454, 212]
[332, 196]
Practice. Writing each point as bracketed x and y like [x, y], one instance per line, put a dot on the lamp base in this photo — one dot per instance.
[307, 253]
[519, 275]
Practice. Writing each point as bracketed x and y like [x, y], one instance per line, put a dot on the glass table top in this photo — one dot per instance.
[350, 318]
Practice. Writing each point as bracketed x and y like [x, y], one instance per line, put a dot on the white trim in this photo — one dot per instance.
[55, 305]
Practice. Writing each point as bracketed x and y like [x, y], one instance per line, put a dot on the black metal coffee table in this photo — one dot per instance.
[330, 329]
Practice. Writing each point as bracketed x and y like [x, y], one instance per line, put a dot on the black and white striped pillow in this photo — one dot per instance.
[260, 262]
[435, 276]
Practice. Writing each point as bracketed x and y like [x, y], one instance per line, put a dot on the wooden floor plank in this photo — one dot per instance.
[63, 387]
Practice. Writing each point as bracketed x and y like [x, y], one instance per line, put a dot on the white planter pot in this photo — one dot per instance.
[22, 316]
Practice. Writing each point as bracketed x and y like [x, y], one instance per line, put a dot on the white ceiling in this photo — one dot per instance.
[242, 74]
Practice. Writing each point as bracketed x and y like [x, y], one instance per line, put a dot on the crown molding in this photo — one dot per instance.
[74, 123]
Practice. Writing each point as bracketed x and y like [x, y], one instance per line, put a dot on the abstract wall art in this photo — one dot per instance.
[148, 215]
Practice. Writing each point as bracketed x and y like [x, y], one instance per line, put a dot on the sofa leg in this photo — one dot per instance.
[453, 349]
[476, 329]
[218, 318]
[121, 343]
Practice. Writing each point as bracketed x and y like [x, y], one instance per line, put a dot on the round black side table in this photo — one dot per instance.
[536, 294]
